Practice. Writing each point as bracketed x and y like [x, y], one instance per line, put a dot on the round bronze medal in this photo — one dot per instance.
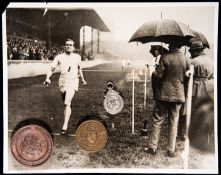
[91, 135]
[31, 145]
[113, 102]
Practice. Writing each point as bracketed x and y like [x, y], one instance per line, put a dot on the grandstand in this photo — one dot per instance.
[38, 34]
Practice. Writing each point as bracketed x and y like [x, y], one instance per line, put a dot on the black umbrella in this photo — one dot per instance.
[200, 37]
[166, 30]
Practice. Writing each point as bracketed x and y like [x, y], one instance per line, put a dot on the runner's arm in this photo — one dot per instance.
[50, 72]
[47, 81]
[81, 75]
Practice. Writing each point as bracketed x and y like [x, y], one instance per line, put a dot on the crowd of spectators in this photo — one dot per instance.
[23, 43]
[21, 29]
[20, 48]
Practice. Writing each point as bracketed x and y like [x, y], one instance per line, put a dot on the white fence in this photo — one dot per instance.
[28, 68]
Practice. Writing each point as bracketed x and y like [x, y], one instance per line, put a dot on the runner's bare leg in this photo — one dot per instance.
[67, 111]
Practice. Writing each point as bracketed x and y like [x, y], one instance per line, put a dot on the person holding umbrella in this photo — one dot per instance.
[203, 71]
[203, 84]
[170, 95]
[201, 131]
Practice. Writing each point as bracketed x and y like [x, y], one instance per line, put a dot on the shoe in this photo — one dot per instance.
[151, 151]
[63, 132]
[144, 132]
[171, 154]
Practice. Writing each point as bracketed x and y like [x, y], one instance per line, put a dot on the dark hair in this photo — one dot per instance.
[161, 49]
[69, 40]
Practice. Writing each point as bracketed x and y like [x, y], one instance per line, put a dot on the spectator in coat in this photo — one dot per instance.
[170, 94]
[202, 94]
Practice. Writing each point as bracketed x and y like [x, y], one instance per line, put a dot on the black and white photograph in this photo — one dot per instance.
[110, 87]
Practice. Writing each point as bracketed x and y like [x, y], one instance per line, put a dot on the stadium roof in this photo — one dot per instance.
[62, 23]
[58, 17]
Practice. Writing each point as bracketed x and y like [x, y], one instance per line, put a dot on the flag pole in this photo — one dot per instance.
[185, 45]
[185, 153]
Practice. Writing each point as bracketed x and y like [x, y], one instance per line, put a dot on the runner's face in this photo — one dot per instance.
[69, 46]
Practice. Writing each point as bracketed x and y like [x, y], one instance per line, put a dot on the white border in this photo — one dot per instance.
[5, 93]
[91, 5]
[119, 170]
[215, 84]
[104, 4]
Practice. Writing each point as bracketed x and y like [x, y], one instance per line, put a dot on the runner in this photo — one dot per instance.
[69, 64]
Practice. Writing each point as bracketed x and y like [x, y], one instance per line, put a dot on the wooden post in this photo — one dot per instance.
[49, 30]
[185, 46]
[145, 88]
[185, 153]
[91, 41]
[133, 101]
[83, 47]
[98, 40]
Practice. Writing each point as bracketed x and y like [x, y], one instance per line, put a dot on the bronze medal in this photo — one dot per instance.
[31, 145]
[91, 135]
[113, 102]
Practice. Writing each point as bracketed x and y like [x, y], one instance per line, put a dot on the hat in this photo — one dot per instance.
[196, 45]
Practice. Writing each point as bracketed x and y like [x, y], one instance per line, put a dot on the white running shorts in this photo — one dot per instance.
[68, 84]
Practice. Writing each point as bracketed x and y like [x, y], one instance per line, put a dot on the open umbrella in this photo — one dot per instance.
[200, 37]
[166, 30]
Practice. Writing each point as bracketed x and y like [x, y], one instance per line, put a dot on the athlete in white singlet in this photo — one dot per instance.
[69, 64]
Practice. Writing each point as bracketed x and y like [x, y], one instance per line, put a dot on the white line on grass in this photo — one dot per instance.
[102, 70]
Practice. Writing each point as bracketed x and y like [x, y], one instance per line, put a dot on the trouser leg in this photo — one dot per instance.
[182, 126]
[182, 121]
[173, 116]
[158, 118]
[194, 105]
